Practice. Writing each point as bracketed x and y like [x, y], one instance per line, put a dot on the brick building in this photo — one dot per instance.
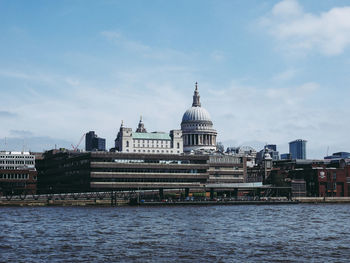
[316, 178]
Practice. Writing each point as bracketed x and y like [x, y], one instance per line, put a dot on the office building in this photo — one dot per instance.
[297, 149]
[71, 171]
[17, 173]
[94, 143]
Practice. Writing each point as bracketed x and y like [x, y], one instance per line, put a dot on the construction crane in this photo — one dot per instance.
[75, 148]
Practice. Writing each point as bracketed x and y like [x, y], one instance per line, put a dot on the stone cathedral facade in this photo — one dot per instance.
[196, 135]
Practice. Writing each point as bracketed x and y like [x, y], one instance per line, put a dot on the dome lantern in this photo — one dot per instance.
[196, 97]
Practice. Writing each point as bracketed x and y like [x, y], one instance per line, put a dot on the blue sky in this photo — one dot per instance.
[268, 71]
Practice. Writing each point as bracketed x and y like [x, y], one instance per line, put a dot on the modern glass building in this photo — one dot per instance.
[94, 143]
[297, 149]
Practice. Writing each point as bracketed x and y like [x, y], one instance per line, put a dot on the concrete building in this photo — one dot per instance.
[71, 171]
[249, 153]
[297, 149]
[145, 142]
[17, 173]
[227, 169]
[16, 160]
[197, 128]
[62, 171]
[94, 143]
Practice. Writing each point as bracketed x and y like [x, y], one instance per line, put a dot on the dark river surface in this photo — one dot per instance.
[281, 233]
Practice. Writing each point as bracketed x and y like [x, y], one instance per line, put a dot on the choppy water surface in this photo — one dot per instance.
[286, 233]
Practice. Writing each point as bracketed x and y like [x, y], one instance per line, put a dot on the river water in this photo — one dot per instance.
[280, 233]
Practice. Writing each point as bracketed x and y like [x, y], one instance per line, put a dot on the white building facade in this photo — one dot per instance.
[16, 160]
[145, 142]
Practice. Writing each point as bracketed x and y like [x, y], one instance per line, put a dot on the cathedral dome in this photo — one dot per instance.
[197, 128]
[196, 114]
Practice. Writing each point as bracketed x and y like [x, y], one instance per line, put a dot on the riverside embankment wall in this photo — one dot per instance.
[62, 202]
[323, 199]
[122, 202]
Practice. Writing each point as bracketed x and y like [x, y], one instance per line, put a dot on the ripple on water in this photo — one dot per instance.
[301, 233]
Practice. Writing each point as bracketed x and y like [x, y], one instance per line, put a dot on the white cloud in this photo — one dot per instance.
[120, 39]
[287, 8]
[285, 75]
[292, 96]
[20, 133]
[298, 31]
[81, 105]
[148, 52]
[277, 115]
[7, 114]
[217, 55]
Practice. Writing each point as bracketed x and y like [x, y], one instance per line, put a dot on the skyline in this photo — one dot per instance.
[268, 72]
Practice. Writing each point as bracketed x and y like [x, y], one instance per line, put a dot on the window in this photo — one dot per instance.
[127, 143]
[178, 145]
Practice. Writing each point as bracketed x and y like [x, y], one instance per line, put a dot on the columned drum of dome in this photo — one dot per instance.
[197, 127]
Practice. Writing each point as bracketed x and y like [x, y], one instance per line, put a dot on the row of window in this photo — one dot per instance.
[152, 146]
[151, 161]
[151, 180]
[154, 151]
[148, 170]
[16, 162]
[14, 176]
[16, 157]
[152, 141]
[11, 167]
